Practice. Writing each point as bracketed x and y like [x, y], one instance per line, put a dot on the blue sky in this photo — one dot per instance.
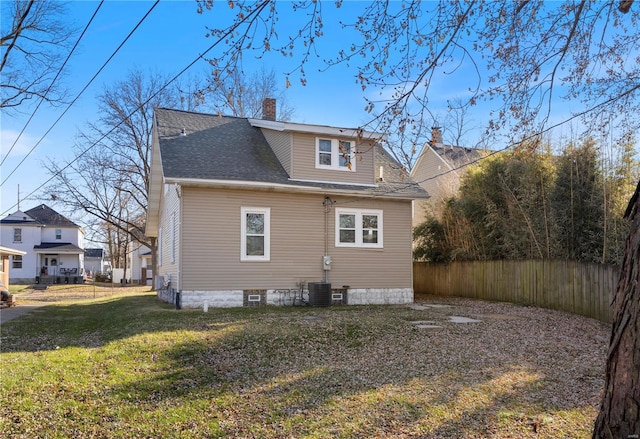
[171, 38]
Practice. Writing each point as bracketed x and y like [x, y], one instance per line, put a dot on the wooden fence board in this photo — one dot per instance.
[581, 288]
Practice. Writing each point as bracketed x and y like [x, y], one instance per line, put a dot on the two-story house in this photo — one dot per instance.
[53, 246]
[439, 170]
[243, 208]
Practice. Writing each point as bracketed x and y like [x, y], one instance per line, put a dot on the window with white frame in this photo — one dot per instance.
[255, 231]
[335, 154]
[16, 261]
[358, 228]
[17, 235]
[58, 233]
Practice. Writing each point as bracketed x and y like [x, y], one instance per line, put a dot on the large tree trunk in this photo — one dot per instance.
[619, 416]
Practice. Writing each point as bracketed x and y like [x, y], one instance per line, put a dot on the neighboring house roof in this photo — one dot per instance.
[93, 253]
[40, 215]
[458, 156]
[196, 146]
[58, 247]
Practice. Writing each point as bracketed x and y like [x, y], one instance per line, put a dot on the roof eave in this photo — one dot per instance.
[316, 129]
[279, 187]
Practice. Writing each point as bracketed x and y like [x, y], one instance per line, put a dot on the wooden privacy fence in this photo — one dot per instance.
[581, 288]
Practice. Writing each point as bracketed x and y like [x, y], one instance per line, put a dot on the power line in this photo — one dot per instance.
[257, 11]
[52, 82]
[81, 92]
[176, 76]
[514, 144]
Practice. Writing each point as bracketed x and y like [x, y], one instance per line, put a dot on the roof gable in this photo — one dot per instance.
[41, 215]
[457, 156]
[49, 217]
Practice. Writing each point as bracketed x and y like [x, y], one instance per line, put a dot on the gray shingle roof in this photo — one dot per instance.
[458, 155]
[59, 247]
[212, 147]
[93, 252]
[44, 215]
[216, 148]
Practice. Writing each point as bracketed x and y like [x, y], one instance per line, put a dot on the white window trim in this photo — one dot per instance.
[266, 211]
[15, 229]
[358, 213]
[335, 155]
[58, 235]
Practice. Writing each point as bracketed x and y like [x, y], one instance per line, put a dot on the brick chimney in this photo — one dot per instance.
[269, 109]
[436, 135]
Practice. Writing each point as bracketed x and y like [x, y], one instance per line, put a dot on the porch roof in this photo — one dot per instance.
[58, 247]
[11, 251]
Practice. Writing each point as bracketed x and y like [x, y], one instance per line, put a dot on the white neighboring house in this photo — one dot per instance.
[139, 265]
[5, 266]
[53, 246]
[94, 261]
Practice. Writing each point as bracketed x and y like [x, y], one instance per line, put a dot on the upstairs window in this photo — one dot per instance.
[58, 233]
[256, 230]
[17, 235]
[358, 228]
[335, 154]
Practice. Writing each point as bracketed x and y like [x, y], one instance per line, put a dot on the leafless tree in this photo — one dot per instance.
[618, 417]
[242, 95]
[523, 55]
[34, 36]
[110, 179]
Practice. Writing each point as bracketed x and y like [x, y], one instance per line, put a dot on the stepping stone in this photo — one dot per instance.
[426, 324]
[458, 319]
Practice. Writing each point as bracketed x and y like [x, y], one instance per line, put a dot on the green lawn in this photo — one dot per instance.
[129, 366]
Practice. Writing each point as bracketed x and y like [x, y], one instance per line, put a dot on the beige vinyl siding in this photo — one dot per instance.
[170, 206]
[211, 243]
[281, 144]
[304, 162]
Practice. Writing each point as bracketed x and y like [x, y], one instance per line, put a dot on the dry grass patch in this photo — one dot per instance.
[134, 367]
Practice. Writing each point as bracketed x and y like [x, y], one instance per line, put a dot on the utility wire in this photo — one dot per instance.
[52, 83]
[81, 92]
[257, 10]
[169, 82]
[497, 151]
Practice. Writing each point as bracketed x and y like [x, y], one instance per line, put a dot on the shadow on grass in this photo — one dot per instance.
[89, 323]
[293, 372]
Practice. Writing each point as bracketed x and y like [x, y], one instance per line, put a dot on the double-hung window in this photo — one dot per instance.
[255, 234]
[358, 228]
[16, 261]
[17, 235]
[58, 233]
[335, 154]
